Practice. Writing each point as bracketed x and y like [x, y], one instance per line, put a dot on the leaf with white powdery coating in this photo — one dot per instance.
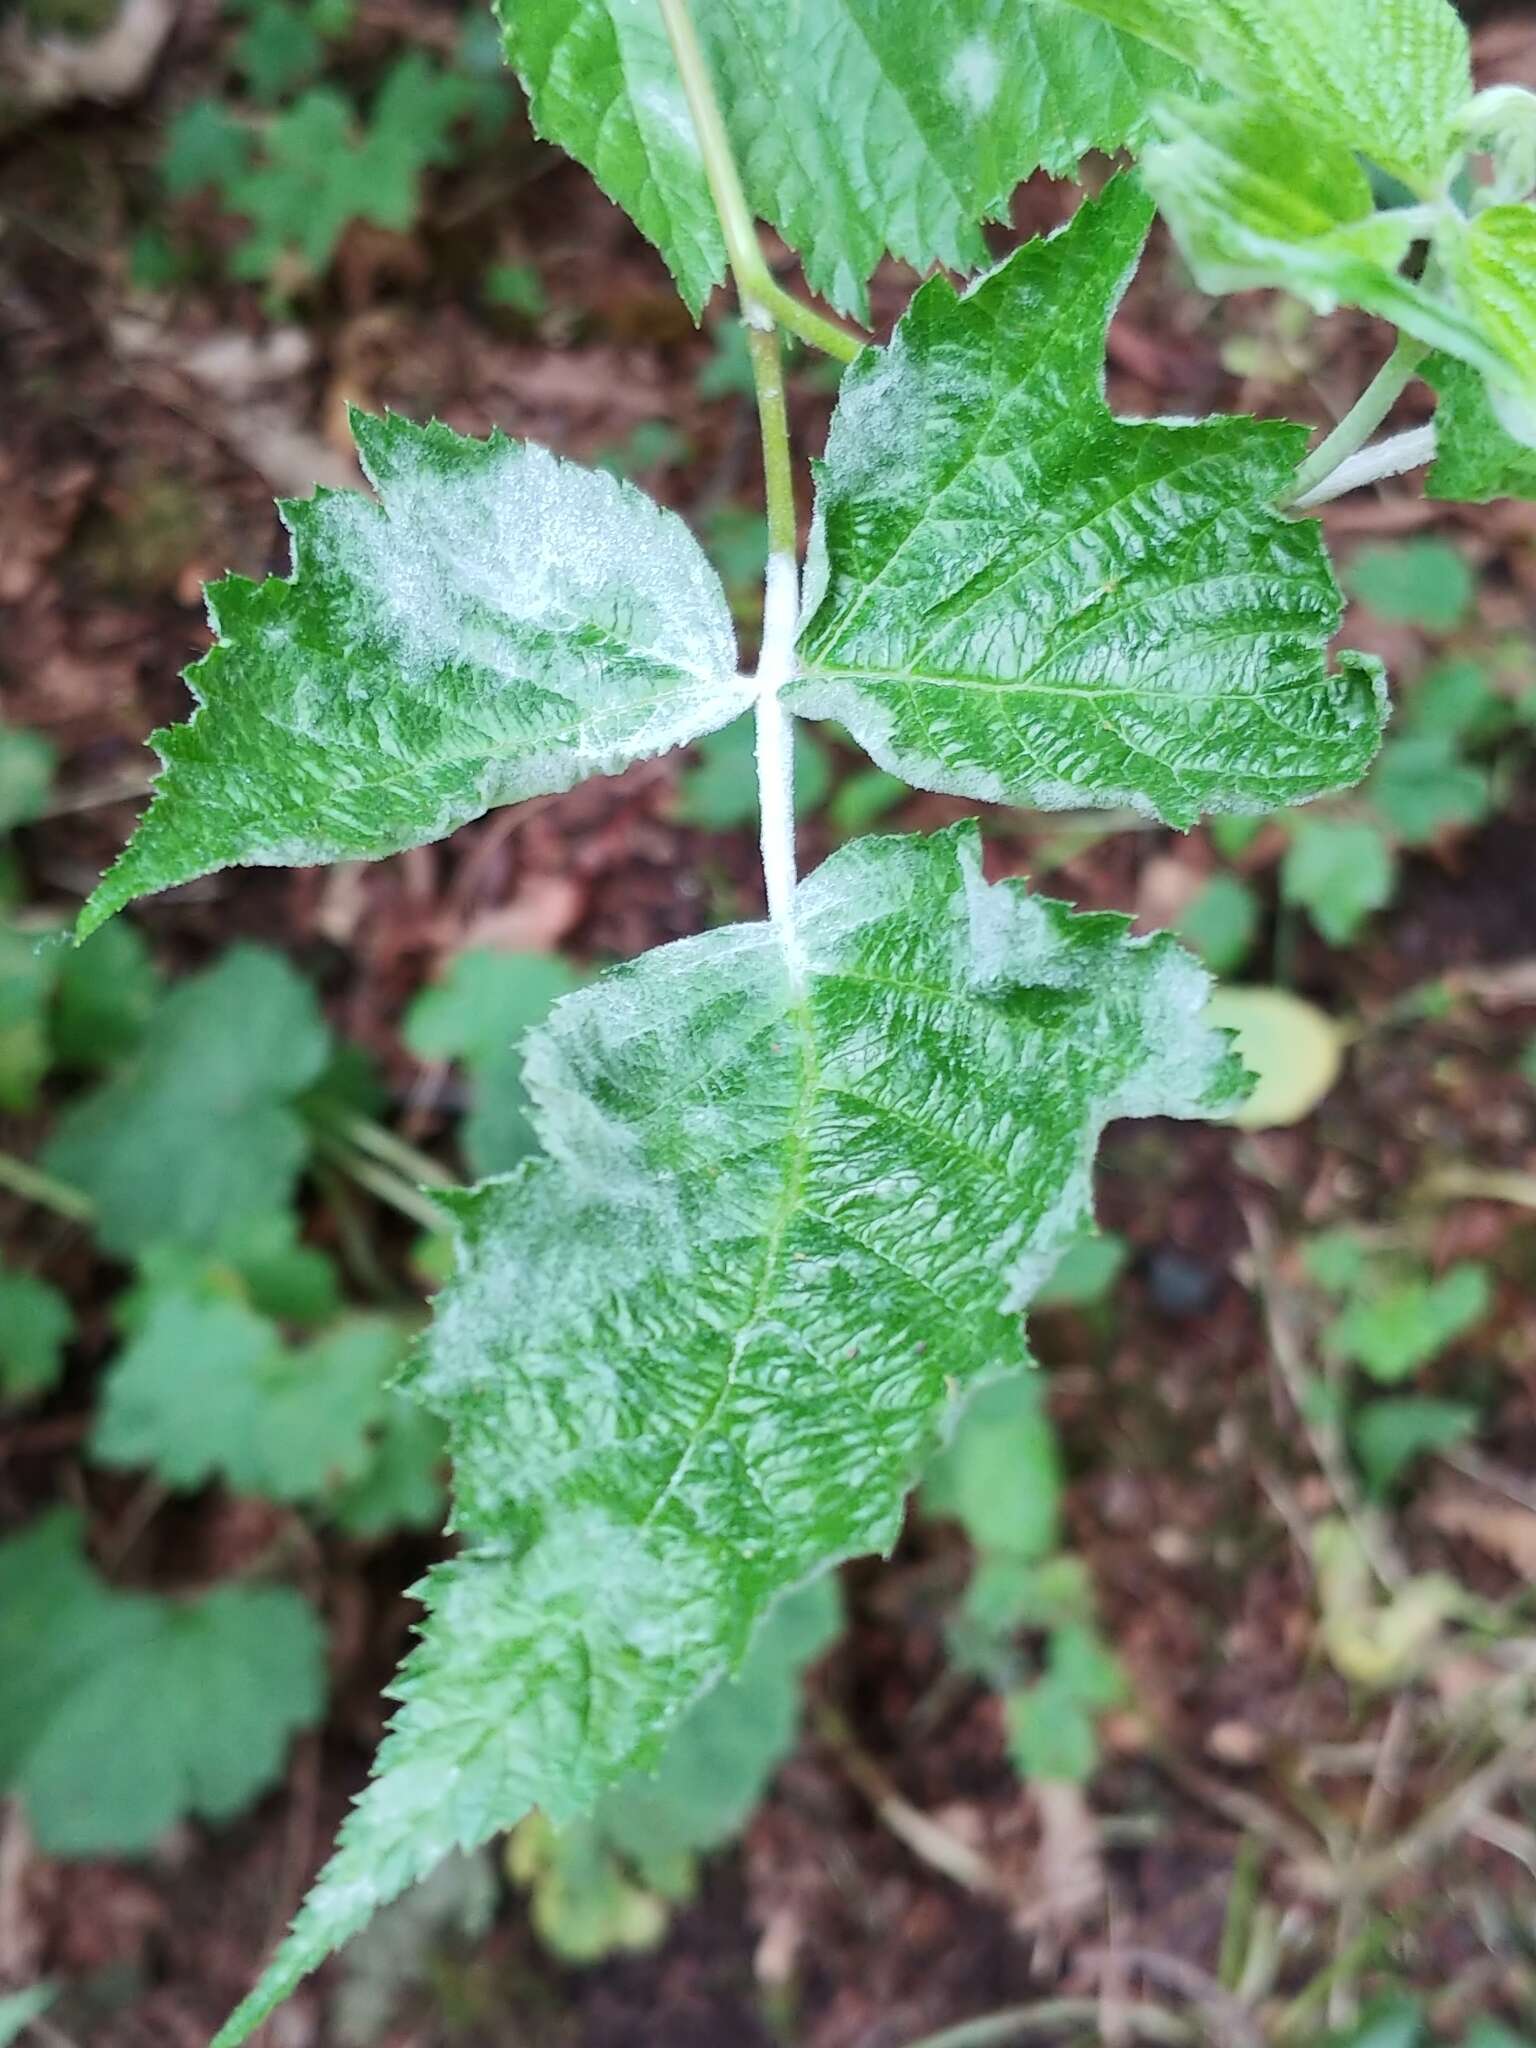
[703, 1347]
[1014, 595]
[501, 625]
[955, 104]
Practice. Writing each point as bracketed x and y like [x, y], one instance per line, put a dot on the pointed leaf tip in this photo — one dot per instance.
[502, 624]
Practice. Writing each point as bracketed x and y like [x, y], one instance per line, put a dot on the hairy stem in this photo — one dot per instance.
[33, 1185]
[1371, 464]
[1361, 421]
[781, 597]
[760, 291]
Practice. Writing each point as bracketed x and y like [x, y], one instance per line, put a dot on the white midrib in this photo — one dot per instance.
[776, 754]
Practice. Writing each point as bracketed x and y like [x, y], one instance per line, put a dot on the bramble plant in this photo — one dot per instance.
[799, 1179]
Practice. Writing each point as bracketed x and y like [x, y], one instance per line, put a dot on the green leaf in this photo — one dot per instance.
[28, 965]
[402, 1485]
[35, 1325]
[205, 145]
[1385, 77]
[1335, 1260]
[121, 1713]
[702, 1348]
[1086, 1272]
[1422, 787]
[208, 1389]
[1293, 1050]
[480, 1014]
[1014, 595]
[1393, 2021]
[719, 793]
[1414, 583]
[1256, 197]
[1339, 870]
[1000, 1476]
[1456, 700]
[864, 799]
[1494, 268]
[1389, 1435]
[1475, 459]
[1051, 1733]
[1221, 923]
[26, 775]
[955, 105]
[198, 1130]
[598, 1883]
[18, 2009]
[105, 993]
[277, 50]
[501, 624]
[718, 1761]
[1392, 1332]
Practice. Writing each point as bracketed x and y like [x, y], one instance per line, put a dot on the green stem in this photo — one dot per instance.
[1362, 419]
[759, 290]
[384, 1185]
[41, 1188]
[773, 417]
[383, 1145]
[1019, 2023]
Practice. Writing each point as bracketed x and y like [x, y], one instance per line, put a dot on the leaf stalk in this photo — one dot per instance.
[41, 1189]
[761, 293]
[1360, 422]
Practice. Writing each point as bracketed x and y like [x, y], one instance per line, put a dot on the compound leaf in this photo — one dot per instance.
[1015, 595]
[501, 624]
[955, 105]
[122, 1712]
[198, 1130]
[208, 1388]
[702, 1348]
[1385, 77]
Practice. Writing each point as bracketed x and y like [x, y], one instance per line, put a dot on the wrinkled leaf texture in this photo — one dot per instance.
[702, 1347]
[1014, 595]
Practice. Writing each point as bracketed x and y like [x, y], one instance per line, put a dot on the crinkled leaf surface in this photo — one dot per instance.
[1476, 460]
[861, 126]
[502, 623]
[1386, 77]
[198, 1129]
[122, 1712]
[207, 1388]
[703, 1347]
[1015, 595]
[719, 1758]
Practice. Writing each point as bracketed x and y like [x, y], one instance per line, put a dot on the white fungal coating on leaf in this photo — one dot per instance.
[501, 624]
[704, 1345]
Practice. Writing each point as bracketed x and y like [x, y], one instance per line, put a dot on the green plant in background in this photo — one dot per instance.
[1026, 1625]
[1391, 1320]
[798, 1179]
[300, 160]
[606, 1881]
